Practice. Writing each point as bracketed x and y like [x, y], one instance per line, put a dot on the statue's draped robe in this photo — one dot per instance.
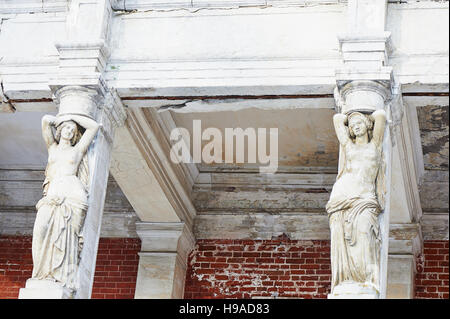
[61, 239]
[354, 227]
[355, 240]
[61, 246]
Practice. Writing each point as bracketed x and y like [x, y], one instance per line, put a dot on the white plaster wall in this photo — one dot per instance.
[420, 27]
[419, 33]
[281, 49]
[245, 33]
[31, 35]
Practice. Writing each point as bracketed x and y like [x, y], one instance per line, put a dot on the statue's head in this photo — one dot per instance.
[67, 130]
[359, 124]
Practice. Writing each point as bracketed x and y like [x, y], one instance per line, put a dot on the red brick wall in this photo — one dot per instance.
[116, 269]
[432, 271]
[16, 265]
[115, 274]
[249, 268]
[224, 268]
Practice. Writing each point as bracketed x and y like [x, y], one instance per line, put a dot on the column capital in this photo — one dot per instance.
[362, 95]
[163, 259]
[88, 101]
[76, 99]
[165, 237]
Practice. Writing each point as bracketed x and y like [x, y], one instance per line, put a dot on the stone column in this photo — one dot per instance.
[365, 97]
[364, 84]
[162, 260]
[81, 95]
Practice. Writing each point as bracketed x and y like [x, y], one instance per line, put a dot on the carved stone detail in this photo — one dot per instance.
[353, 207]
[58, 229]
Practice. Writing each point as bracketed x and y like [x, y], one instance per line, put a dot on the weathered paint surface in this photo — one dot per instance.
[305, 136]
[433, 123]
[20, 190]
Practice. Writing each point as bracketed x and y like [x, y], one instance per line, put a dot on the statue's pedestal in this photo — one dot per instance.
[354, 290]
[44, 289]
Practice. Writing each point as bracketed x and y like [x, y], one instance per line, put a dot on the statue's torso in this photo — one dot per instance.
[61, 173]
[359, 173]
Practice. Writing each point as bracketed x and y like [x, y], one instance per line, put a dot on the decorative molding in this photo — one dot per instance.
[406, 152]
[147, 134]
[142, 5]
[167, 124]
[114, 108]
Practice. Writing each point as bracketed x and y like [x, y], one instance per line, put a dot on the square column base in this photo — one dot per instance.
[354, 290]
[44, 289]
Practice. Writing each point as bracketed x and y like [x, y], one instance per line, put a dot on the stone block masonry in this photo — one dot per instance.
[279, 268]
[115, 273]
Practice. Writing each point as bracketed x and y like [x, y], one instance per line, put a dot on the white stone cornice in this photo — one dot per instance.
[141, 5]
[32, 6]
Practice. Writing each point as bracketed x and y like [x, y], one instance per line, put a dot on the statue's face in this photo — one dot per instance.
[357, 125]
[68, 130]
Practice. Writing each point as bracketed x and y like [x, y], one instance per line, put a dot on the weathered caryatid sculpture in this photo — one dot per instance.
[58, 229]
[68, 214]
[353, 207]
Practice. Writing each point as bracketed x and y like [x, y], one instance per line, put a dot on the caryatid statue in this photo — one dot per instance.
[58, 229]
[353, 207]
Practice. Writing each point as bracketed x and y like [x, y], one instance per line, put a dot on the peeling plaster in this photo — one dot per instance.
[434, 132]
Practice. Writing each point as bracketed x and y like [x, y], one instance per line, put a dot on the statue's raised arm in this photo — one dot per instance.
[379, 118]
[341, 129]
[47, 122]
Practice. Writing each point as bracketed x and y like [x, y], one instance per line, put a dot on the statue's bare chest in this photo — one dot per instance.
[362, 153]
[61, 156]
